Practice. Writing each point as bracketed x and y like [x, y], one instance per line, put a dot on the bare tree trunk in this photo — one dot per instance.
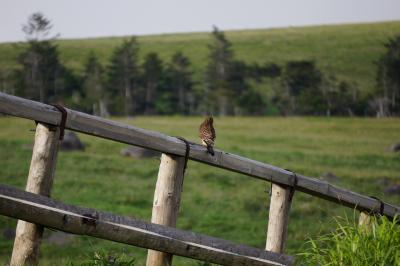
[181, 99]
[103, 108]
[394, 99]
[95, 109]
[328, 112]
[128, 100]
[350, 112]
[223, 106]
[149, 108]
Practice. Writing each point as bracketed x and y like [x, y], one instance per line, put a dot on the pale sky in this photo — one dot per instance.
[95, 18]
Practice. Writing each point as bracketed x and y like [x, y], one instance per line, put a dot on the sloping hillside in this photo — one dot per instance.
[349, 51]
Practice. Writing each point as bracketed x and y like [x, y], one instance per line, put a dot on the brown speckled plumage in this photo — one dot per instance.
[207, 134]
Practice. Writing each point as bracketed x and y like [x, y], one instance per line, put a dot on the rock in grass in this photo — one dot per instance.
[395, 147]
[60, 238]
[71, 142]
[9, 233]
[392, 189]
[383, 181]
[138, 152]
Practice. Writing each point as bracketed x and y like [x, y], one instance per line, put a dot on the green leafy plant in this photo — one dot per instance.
[103, 258]
[350, 244]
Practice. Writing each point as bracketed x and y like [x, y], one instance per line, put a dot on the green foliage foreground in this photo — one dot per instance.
[104, 258]
[350, 244]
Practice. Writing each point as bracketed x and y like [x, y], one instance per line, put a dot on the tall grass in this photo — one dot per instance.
[350, 244]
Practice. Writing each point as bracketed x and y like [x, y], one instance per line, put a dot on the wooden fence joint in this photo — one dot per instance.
[90, 219]
[64, 114]
[187, 152]
[381, 207]
[293, 187]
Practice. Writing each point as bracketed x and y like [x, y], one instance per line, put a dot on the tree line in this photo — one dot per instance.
[127, 86]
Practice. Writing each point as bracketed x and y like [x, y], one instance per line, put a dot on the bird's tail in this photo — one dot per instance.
[210, 150]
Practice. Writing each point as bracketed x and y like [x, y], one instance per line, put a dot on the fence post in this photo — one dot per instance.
[166, 203]
[40, 180]
[278, 218]
[364, 222]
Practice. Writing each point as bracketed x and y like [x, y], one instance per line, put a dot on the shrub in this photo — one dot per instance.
[353, 245]
[102, 258]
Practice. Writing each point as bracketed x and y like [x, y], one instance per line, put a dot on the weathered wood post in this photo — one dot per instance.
[166, 203]
[278, 218]
[364, 221]
[40, 180]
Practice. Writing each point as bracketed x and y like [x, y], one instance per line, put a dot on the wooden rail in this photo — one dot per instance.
[120, 132]
[83, 221]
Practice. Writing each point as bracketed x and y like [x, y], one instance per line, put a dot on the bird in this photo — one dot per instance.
[207, 134]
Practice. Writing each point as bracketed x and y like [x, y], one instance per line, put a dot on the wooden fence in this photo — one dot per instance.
[44, 212]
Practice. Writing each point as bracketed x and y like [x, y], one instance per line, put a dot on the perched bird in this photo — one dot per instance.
[207, 134]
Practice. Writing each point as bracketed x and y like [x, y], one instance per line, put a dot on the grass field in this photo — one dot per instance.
[348, 51]
[215, 201]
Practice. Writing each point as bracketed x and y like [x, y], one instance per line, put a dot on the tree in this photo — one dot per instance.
[301, 89]
[267, 70]
[218, 90]
[123, 78]
[7, 83]
[152, 75]
[251, 102]
[37, 28]
[329, 87]
[41, 71]
[93, 84]
[340, 97]
[248, 100]
[179, 83]
[388, 77]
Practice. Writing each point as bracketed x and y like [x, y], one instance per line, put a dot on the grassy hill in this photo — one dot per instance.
[214, 201]
[349, 51]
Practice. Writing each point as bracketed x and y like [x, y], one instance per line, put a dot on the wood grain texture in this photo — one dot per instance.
[278, 218]
[364, 222]
[16, 106]
[40, 180]
[83, 221]
[108, 129]
[167, 198]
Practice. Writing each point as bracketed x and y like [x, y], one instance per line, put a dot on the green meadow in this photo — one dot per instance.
[214, 201]
[348, 51]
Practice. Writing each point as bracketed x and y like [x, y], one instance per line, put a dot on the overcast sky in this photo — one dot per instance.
[93, 18]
